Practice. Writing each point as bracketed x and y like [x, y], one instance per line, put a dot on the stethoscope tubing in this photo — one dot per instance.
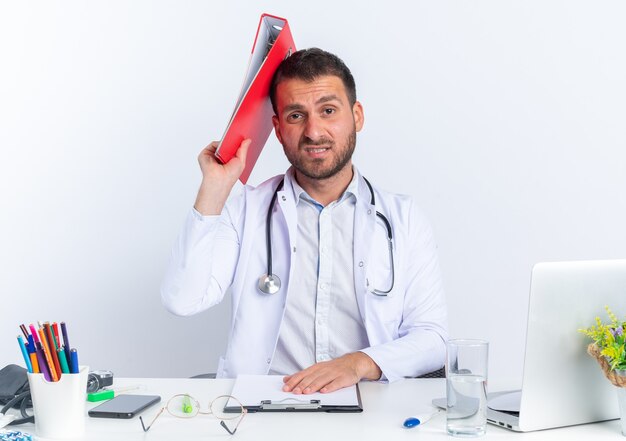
[389, 242]
[268, 226]
[269, 283]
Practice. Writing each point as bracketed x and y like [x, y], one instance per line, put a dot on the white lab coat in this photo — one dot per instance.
[407, 329]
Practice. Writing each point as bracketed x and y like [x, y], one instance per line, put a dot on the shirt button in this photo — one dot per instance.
[361, 264]
[269, 360]
[284, 198]
[323, 286]
[369, 211]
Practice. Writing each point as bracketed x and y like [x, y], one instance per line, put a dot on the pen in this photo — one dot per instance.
[33, 332]
[63, 361]
[52, 342]
[74, 361]
[55, 333]
[43, 366]
[29, 366]
[34, 362]
[187, 407]
[66, 341]
[53, 349]
[32, 352]
[48, 357]
[419, 419]
[24, 331]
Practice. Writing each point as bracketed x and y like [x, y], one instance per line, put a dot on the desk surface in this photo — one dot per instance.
[385, 407]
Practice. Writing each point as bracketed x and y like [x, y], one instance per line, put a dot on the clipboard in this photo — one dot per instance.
[252, 117]
[263, 393]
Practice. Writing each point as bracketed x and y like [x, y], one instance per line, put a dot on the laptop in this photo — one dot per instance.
[562, 385]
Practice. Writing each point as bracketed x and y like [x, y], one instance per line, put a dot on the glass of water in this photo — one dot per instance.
[466, 381]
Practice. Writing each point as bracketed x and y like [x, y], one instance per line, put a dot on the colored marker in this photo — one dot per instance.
[44, 347]
[43, 366]
[74, 362]
[63, 361]
[33, 332]
[106, 394]
[32, 352]
[34, 362]
[53, 349]
[187, 407]
[24, 331]
[55, 332]
[66, 341]
[29, 366]
[419, 420]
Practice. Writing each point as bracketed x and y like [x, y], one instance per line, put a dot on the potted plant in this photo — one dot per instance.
[609, 349]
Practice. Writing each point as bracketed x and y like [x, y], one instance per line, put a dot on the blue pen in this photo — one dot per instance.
[419, 420]
[74, 361]
[31, 345]
[29, 366]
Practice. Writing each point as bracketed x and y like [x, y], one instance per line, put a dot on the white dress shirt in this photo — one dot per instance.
[322, 319]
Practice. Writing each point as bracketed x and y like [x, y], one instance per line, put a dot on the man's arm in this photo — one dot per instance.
[423, 330]
[194, 279]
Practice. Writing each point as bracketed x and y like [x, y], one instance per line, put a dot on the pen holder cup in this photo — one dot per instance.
[59, 407]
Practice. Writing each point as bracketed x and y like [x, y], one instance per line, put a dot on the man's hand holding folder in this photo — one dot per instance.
[218, 179]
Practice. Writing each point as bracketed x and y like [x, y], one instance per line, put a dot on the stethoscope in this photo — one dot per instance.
[269, 283]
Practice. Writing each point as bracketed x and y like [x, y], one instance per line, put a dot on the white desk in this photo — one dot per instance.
[385, 408]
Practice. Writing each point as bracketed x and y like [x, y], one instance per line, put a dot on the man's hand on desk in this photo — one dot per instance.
[329, 376]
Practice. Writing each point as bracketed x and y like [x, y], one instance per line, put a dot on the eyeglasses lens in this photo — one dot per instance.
[226, 408]
[183, 406]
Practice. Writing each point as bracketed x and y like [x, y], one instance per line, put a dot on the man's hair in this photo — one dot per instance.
[310, 64]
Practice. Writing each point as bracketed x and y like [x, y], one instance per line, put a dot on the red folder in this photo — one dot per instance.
[252, 117]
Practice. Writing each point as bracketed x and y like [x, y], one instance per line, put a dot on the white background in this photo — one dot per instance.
[504, 119]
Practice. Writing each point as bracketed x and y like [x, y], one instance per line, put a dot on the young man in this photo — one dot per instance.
[348, 305]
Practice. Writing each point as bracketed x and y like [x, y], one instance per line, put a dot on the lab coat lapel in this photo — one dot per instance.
[364, 225]
[288, 211]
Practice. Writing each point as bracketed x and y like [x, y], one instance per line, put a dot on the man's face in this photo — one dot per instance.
[316, 125]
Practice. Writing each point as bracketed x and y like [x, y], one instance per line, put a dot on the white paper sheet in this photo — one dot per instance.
[250, 390]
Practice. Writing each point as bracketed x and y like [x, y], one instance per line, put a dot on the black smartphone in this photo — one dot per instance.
[124, 406]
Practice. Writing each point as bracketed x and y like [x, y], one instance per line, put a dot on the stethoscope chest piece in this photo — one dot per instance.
[269, 284]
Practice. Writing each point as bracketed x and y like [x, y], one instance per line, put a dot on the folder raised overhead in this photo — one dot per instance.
[252, 117]
[263, 393]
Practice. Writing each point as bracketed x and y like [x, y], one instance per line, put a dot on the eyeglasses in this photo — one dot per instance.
[186, 406]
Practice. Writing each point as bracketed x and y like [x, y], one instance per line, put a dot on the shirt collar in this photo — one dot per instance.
[300, 194]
